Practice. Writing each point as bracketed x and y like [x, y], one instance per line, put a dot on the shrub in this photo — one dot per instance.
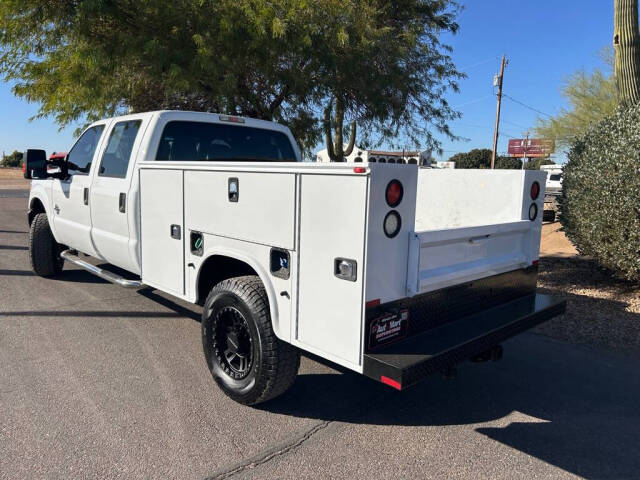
[481, 158]
[12, 160]
[600, 204]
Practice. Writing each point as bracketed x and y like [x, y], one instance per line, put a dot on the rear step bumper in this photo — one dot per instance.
[407, 362]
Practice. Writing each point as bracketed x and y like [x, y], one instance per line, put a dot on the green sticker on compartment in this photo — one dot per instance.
[198, 243]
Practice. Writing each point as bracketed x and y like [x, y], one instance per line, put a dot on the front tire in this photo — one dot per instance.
[248, 362]
[44, 251]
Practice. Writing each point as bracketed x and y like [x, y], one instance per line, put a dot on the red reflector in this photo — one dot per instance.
[390, 382]
[394, 193]
[359, 170]
[372, 303]
[535, 190]
[24, 168]
[535, 262]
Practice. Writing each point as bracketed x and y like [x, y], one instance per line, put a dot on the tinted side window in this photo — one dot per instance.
[81, 154]
[193, 141]
[115, 160]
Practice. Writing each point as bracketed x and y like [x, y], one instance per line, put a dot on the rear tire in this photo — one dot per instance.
[549, 216]
[248, 362]
[44, 251]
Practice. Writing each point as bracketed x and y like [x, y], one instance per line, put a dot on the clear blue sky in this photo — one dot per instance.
[544, 41]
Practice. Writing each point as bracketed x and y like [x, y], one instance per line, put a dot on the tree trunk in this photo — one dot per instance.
[338, 122]
[335, 145]
[626, 41]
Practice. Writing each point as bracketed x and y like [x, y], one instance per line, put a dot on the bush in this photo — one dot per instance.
[600, 204]
[481, 158]
[13, 160]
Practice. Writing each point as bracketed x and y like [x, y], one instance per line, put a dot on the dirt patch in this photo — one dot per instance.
[554, 241]
[601, 310]
[12, 178]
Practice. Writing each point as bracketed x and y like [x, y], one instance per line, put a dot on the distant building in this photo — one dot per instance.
[379, 156]
[444, 164]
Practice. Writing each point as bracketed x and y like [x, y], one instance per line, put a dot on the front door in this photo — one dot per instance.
[111, 206]
[71, 212]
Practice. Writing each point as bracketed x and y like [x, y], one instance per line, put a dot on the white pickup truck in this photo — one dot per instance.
[389, 270]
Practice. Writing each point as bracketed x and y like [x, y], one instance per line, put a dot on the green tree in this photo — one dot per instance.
[626, 40]
[12, 160]
[536, 163]
[481, 158]
[86, 59]
[508, 163]
[279, 60]
[384, 67]
[591, 97]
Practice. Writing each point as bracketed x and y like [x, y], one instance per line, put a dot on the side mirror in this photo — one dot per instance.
[34, 164]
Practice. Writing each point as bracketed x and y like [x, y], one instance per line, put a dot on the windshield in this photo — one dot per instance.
[199, 141]
[555, 177]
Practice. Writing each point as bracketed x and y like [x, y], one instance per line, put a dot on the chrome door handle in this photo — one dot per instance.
[57, 209]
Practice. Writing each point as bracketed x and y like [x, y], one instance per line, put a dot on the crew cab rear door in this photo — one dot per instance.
[111, 205]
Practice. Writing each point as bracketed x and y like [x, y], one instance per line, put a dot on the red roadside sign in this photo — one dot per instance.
[531, 148]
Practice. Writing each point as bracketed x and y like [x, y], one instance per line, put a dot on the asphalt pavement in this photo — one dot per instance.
[101, 382]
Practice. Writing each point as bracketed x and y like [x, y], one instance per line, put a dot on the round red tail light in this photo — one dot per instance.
[394, 193]
[535, 190]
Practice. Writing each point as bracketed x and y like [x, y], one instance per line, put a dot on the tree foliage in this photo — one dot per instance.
[536, 163]
[12, 160]
[388, 70]
[591, 97]
[282, 60]
[601, 193]
[481, 158]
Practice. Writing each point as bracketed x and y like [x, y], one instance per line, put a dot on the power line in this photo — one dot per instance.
[527, 106]
[483, 62]
[479, 99]
[514, 124]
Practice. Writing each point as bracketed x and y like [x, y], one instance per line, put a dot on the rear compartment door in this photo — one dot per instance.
[333, 210]
[162, 229]
[441, 258]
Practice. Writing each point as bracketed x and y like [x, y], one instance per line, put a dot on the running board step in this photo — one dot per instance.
[100, 272]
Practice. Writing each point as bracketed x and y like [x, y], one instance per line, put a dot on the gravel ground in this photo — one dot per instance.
[601, 310]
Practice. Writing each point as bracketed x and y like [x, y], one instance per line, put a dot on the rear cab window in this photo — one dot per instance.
[115, 160]
[200, 141]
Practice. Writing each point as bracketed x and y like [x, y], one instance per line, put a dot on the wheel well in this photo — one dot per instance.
[35, 208]
[218, 268]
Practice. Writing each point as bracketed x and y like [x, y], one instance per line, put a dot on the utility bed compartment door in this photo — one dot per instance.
[333, 210]
[162, 229]
[262, 210]
[441, 258]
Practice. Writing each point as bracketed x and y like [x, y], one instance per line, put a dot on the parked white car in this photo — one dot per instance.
[389, 270]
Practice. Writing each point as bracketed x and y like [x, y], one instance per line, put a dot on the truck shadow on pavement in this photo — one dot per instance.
[565, 405]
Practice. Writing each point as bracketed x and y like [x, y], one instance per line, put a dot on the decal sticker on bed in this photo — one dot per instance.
[388, 327]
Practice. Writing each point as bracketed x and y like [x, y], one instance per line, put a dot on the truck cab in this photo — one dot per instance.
[389, 270]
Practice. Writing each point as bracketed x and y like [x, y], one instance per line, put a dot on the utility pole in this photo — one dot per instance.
[525, 149]
[495, 133]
